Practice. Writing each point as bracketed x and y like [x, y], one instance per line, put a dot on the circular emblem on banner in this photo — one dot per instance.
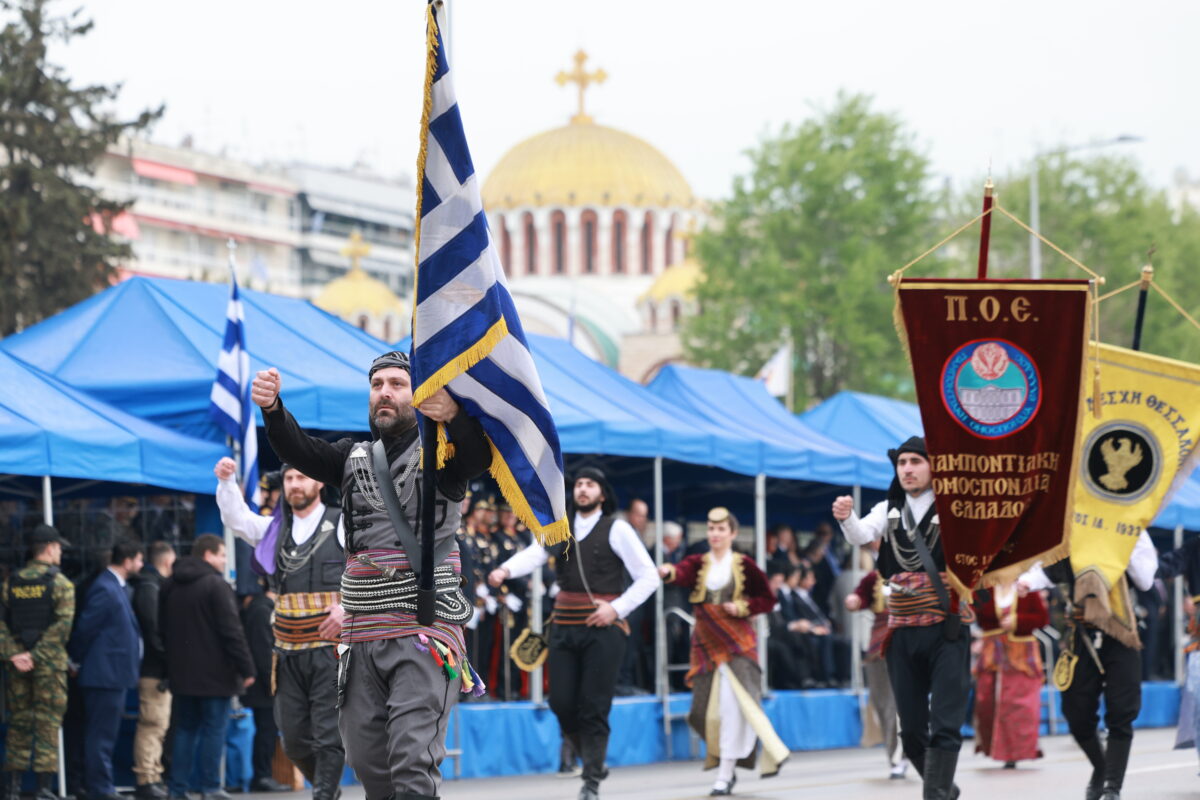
[1121, 461]
[992, 387]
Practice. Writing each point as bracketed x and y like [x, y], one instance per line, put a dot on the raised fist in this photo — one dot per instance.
[264, 391]
[225, 469]
[843, 507]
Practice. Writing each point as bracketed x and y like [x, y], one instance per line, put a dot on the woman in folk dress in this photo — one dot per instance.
[728, 588]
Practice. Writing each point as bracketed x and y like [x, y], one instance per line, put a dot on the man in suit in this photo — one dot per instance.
[106, 647]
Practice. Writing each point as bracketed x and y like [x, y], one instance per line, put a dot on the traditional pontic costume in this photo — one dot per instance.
[397, 679]
[1009, 674]
[724, 673]
[584, 659]
[871, 597]
[304, 557]
[927, 652]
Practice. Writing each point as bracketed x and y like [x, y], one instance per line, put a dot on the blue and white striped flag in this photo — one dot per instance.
[231, 408]
[467, 336]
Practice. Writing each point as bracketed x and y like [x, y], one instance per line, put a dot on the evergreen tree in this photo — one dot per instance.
[55, 248]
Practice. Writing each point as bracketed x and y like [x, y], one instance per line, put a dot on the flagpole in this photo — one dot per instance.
[425, 591]
[1143, 290]
[235, 445]
[985, 231]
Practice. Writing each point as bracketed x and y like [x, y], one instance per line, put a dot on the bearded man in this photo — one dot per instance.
[307, 570]
[397, 679]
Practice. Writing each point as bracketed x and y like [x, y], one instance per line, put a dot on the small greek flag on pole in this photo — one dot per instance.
[467, 337]
[231, 408]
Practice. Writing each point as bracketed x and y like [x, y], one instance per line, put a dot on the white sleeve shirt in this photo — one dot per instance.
[624, 542]
[1143, 562]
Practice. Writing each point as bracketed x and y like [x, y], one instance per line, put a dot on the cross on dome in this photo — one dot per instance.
[356, 249]
[583, 79]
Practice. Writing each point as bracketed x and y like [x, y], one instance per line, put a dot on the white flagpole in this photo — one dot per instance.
[230, 542]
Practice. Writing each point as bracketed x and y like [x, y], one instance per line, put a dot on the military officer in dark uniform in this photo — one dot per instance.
[39, 607]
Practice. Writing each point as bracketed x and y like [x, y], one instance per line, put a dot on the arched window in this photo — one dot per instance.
[363, 321]
[587, 224]
[676, 314]
[648, 244]
[618, 243]
[653, 315]
[530, 245]
[558, 228]
[668, 241]
[387, 328]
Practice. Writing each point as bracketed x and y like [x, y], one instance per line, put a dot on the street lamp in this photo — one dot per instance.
[1035, 244]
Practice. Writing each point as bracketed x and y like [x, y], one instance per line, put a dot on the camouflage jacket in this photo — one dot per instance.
[51, 650]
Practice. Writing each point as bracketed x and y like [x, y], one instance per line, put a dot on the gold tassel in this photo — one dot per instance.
[547, 535]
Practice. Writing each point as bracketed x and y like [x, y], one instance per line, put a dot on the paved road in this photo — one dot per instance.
[1156, 773]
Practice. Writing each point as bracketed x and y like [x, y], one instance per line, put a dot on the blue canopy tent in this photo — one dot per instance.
[50, 429]
[150, 347]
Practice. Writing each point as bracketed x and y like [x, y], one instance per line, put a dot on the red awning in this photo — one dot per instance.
[163, 172]
[123, 224]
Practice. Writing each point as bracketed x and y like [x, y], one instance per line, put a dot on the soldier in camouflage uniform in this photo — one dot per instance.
[39, 604]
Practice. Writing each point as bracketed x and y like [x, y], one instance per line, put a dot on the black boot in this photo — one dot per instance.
[327, 774]
[1116, 758]
[592, 750]
[939, 774]
[1093, 748]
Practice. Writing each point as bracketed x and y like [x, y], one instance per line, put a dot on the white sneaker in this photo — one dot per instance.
[899, 770]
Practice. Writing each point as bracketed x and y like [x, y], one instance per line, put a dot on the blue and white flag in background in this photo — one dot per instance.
[467, 336]
[231, 408]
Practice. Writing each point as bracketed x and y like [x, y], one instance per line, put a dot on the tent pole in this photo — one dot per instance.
[1180, 674]
[48, 518]
[47, 501]
[661, 678]
[856, 681]
[760, 557]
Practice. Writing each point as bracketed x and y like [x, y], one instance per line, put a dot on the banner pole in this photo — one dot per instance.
[1143, 290]
[985, 230]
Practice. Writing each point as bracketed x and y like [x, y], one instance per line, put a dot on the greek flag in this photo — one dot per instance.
[231, 408]
[466, 333]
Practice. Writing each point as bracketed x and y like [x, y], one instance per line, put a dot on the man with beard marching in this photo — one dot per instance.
[928, 656]
[587, 641]
[307, 568]
[397, 679]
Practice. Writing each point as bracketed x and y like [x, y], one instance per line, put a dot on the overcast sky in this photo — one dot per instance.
[335, 83]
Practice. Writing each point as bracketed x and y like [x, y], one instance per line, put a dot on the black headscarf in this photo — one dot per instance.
[392, 359]
[914, 444]
[609, 506]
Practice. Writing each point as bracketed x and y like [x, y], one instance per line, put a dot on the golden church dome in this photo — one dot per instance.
[356, 292]
[677, 280]
[585, 164]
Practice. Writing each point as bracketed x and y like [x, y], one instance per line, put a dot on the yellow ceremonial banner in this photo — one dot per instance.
[1144, 437]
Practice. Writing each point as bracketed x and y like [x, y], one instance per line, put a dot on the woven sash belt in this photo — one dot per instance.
[396, 591]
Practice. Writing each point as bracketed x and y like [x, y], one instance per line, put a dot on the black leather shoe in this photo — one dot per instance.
[268, 784]
[727, 790]
[150, 791]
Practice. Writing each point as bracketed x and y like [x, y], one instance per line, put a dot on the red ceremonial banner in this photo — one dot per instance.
[998, 366]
